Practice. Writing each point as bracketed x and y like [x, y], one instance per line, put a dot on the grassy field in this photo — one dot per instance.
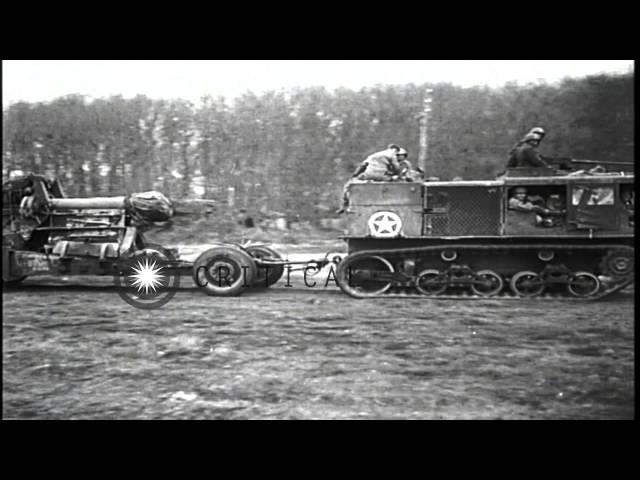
[72, 349]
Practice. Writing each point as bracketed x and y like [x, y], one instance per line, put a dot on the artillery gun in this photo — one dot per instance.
[46, 233]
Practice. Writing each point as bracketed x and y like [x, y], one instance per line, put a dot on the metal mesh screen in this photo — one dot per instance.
[473, 210]
[437, 225]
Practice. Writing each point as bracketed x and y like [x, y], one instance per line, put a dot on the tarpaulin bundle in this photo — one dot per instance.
[149, 207]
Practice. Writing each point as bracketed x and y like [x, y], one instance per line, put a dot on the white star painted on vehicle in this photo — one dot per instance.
[385, 224]
[147, 276]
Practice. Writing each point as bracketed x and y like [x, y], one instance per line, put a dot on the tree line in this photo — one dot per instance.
[291, 151]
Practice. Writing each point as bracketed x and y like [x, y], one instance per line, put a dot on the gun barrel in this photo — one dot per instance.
[88, 203]
[598, 162]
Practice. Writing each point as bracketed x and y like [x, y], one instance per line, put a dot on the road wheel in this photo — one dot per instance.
[265, 277]
[526, 284]
[431, 282]
[224, 271]
[583, 284]
[364, 277]
[487, 283]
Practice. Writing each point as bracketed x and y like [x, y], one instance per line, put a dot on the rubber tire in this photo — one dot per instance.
[242, 262]
[274, 273]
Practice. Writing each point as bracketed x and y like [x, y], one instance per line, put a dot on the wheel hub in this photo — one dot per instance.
[222, 270]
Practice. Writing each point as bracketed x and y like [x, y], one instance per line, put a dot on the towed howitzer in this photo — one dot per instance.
[142, 207]
[42, 230]
[46, 233]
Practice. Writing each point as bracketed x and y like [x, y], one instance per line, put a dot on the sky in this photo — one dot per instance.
[45, 80]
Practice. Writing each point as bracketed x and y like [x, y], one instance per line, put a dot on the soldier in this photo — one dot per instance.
[525, 153]
[538, 131]
[520, 202]
[380, 166]
[535, 133]
[407, 172]
[556, 205]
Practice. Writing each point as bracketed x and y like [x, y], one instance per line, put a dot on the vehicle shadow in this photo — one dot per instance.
[56, 288]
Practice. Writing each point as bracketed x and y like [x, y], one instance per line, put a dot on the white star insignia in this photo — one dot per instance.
[385, 224]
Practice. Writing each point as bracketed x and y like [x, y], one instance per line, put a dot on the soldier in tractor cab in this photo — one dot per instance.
[545, 216]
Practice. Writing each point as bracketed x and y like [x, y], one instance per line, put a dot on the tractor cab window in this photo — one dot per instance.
[547, 203]
[594, 196]
[594, 207]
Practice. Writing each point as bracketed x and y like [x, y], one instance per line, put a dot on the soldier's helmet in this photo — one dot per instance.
[518, 190]
[402, 151]
[532, 137]
[538, 131]
[555, 201]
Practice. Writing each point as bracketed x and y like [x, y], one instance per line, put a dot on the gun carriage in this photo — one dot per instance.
[46, 233]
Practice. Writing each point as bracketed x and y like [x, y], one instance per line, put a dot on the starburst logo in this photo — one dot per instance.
[147, 276]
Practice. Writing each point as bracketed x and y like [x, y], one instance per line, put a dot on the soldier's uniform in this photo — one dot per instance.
[545, 217]
[525, 152]
[526, 155]
[523, 205]
[408, 173]
[380, 166]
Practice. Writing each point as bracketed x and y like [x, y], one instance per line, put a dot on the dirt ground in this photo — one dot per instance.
[73, 349]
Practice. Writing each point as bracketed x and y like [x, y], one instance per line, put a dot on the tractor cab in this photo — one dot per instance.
[570, 205]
